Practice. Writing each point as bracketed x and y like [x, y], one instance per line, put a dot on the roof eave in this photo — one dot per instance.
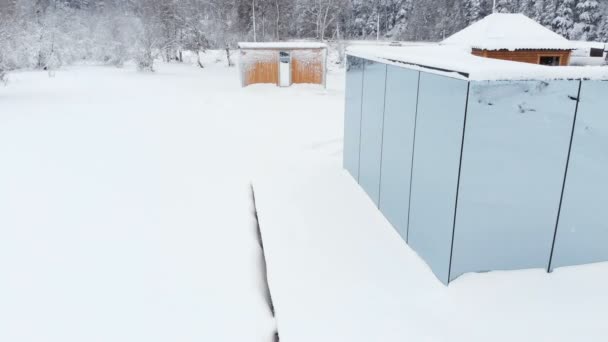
[522, 49]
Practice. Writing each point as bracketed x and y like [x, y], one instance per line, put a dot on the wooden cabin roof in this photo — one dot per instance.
[507, 31]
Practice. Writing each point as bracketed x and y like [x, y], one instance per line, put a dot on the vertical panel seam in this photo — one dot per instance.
[464, 128]
[382, 137]
[361, 117]
[346, 130]
[409, 201]
[561, 198]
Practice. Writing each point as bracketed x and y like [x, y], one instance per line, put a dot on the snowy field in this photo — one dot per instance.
[125, 211]
[126, 215]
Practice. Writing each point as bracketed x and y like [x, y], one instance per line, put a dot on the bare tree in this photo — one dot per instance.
[253, 16]
[4, 39]
[278, 20]
[196, 27]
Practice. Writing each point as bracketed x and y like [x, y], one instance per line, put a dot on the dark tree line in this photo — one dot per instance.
[49, 33]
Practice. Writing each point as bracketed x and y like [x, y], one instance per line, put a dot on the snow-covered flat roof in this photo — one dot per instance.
[282, 45]
[506, 31]
[458, 62]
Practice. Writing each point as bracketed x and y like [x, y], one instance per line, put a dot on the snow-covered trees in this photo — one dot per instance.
[564, 18]
[603, 30]
[375, 19]
[46, 34]
[505, 6]
[50, 33]
[472, 11]
[574, 19]
[588, 19]
[4, 46]
[546, 11]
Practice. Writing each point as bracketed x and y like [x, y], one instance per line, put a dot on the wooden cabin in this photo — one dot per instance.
[283, 63]
[514, 37]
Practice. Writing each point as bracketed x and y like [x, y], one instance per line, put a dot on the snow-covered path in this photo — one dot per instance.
[338, 271]
[124, 200]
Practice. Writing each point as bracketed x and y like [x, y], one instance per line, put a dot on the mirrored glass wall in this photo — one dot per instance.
[482, 175]
[513, 163]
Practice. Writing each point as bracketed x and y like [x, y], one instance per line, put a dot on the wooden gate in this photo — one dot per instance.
[261, 67]
[307, 66]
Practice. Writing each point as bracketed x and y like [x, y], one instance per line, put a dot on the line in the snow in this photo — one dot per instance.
[263, 267]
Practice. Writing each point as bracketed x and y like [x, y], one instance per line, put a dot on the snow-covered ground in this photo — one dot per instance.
[125, 211]
[125, 215]
[338, 271]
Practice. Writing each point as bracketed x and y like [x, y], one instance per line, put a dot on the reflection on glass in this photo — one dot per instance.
[352, 115]
[441, 110]
[372, 112]
[397, 145]
[515, 150]
[582, 233]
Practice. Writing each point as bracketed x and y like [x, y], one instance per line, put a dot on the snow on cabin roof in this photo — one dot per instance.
[282, 45]
[508, 31]
[458, 62]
